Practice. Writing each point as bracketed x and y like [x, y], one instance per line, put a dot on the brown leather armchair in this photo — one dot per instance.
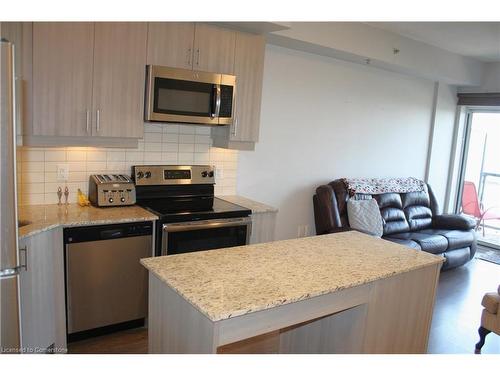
[490, 318]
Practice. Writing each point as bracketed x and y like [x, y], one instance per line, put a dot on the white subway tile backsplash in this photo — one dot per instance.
[186, 147]
[74, 166]
[32, 166]
[170, 128]
[51, 155]
[186, 129]
[203, 139]
[27, 198]
[153, 147]
[170, 138]
[116, 156]
[170, 157]
[116, 166]
[152, 137]
[31, 155]
[203, 130]
[162, 144]
[186, 138]
[96, 155]
[201, 147]
[134, 156]
[152, 156]
[186, 157]
[171, 147]
[200, 157]
[76, 155]
[33, 177]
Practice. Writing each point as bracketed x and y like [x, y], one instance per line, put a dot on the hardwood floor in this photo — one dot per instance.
[132, 341]
[457, 312]
[457, 315]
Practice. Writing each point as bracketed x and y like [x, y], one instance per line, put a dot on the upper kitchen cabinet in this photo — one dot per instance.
[171, 44]
[214, 49]
[62, 78]
[249, 70]
[119, 76]
[86, 84]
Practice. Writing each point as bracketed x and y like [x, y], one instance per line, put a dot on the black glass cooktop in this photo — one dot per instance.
[189, 209]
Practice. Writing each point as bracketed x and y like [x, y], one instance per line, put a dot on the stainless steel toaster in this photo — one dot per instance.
[106, 190]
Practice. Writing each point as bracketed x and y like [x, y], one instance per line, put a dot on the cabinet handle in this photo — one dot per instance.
[98, 120]
[88, 120]
[25, 251]
[189, 56]
[235, 127]
[198, 56]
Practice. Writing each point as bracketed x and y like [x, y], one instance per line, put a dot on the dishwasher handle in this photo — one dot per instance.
[112, 233]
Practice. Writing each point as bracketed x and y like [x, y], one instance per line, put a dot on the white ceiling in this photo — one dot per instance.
[479, 40]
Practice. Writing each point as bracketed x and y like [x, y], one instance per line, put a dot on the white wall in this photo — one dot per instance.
[442, 141]
[357, 41]
[490, 81]
[323, 119]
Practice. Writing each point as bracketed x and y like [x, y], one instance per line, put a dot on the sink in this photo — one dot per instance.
[22, 223]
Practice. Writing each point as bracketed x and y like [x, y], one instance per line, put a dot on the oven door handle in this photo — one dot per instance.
[206, 224]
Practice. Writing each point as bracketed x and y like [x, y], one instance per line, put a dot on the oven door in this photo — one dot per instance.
[181, 95]
[186, 237]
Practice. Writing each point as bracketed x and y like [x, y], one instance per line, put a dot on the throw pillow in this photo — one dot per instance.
[364, 215]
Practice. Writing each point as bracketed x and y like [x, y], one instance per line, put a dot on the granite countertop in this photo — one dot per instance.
[256, 207]
[48, 216]
[230, 282]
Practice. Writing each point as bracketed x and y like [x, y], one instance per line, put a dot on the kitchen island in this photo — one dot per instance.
[339, 293]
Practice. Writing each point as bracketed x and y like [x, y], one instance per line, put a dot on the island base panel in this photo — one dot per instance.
[394, 316]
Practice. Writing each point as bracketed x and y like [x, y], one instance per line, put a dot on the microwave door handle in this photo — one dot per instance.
[213, 109]
[217, 102]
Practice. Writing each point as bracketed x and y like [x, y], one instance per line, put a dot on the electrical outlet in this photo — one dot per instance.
[299, 231]
[302, 230]
[219, 173]
[62, 172]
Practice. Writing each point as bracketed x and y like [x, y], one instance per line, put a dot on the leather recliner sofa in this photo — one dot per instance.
[410, 219]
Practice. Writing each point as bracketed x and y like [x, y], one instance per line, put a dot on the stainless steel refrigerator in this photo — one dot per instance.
[10, 330]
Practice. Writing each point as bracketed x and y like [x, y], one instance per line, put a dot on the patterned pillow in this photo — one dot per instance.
[364, 215]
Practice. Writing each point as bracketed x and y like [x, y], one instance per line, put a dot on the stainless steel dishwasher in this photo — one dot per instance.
[106, 286]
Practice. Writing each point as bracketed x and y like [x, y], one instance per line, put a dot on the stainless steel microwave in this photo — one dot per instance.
[181, 95]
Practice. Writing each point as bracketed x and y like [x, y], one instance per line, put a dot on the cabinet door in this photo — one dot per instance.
[43, 312]
[171, 44]
[62, 78]
[248, 69]
[119, 79]
[214, 49]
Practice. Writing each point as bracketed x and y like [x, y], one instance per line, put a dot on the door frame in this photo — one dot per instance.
[470, 110]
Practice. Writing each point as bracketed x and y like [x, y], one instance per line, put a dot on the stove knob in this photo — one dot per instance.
[147, 174]
[204, 174]
[110, 200]
[140, 175]
[211, 174]
[122, 199]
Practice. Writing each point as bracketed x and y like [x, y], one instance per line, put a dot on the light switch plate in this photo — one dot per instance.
[219, 173]
[62, 172]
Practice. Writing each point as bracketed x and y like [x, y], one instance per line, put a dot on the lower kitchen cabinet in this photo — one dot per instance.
[43, 317]
[263, 227]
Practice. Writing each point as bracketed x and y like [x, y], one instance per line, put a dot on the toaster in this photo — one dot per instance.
[107, 190]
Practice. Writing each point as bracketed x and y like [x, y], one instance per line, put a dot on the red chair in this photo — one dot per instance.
[471, 206]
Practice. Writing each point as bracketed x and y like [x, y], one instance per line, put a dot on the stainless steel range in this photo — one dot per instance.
[190, 217]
